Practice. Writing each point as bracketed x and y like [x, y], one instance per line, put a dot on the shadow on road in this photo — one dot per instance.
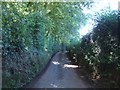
[60, 74]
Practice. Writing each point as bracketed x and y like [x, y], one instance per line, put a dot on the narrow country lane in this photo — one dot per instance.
[60, 74]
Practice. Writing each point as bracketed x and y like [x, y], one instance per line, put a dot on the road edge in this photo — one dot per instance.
[40, 73]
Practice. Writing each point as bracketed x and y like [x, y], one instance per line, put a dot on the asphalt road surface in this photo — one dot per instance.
[60, 74]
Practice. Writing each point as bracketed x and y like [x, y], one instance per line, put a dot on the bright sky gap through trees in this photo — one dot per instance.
[98, 7]
[32, 32]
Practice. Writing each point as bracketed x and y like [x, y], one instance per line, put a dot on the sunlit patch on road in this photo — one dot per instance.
[54, 85]
[70, 66]
[55, 62]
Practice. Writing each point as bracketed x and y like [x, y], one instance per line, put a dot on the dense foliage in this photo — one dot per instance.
[32, 32]
[99, 50]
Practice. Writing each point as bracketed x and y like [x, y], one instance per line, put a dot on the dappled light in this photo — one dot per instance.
[55, 86]
[70, 66]
[64, 37]
[55, 62]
